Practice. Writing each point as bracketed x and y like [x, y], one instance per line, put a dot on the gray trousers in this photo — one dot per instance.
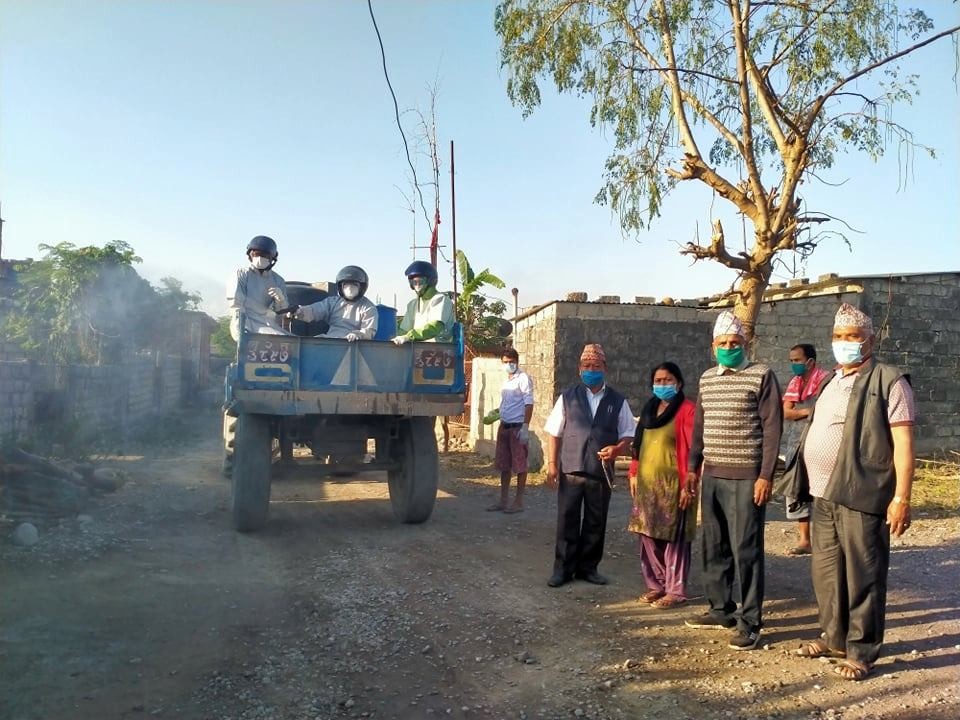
[851, 556]
[731, 543]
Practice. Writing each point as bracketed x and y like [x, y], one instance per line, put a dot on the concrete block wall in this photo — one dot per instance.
[636, 338]
[86, 401]
[917, 316]
[16, 399]
[918, 319]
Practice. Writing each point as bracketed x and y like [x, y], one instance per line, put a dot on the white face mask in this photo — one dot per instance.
[351, 291]
[511, 368]
[260, 262]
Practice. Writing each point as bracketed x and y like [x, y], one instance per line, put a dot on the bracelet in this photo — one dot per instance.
[901, 500]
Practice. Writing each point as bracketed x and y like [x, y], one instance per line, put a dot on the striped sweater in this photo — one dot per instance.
[739, 417]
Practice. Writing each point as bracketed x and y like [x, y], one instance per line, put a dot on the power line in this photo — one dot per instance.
[396, 111]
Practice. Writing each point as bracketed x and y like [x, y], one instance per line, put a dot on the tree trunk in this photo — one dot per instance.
[749, 296]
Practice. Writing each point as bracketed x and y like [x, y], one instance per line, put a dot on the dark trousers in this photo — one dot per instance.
[851, 556]
[582, 505]
[731, 541]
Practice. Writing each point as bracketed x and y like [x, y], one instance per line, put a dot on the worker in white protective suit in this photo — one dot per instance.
[351, 315]
[429, 316]
[257, 291]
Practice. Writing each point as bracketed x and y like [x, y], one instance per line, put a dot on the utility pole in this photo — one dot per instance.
[1, 233]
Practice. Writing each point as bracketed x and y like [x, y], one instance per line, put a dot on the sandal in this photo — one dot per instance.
[496, 508]
[852, 670]
[651, 596]
[667, 602]
[818, 649]
[798, 551]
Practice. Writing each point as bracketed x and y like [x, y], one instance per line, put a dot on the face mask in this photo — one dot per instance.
[730, 357]
[665, 392]
[260, 262]
[848, 352]
[350, 291]
[798, 368]
[592, 378]
[511, 368]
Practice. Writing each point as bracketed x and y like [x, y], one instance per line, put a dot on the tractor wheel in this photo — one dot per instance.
[251, 472]
[413, 483]
[229, 443]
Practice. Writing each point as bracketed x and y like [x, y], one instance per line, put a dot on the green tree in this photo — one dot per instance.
[480, 316]
[75, 303]
[750, 98]
[221, 342]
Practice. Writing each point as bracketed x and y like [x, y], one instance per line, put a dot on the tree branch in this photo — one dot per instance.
[740, 32]
[820, 101]
[717, 251]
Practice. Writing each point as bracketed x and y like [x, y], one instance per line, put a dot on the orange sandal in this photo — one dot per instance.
[651, 596]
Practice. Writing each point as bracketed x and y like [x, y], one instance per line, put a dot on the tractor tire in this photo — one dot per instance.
[413, 483]
[229, 445]
[251, 472]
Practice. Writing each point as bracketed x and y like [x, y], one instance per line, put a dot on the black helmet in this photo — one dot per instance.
[264, 245]
[355, 274]
[421, 268]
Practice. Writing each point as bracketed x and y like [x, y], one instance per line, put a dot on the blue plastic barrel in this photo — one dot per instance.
[386, 323]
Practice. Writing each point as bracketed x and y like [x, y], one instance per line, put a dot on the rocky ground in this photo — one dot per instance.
[149, 605]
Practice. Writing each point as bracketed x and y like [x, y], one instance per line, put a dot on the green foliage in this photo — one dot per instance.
[619, 54]
[481, 317]
[89, 305]
[221, 342]
[751, 99]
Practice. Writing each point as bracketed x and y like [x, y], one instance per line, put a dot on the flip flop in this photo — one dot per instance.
[650, 596]
[513, 510]
[496, 508]
[856, 671]
[818, 649]
[667, 602]
[798, 551]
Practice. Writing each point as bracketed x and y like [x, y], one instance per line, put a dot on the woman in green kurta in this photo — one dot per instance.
[664, 514]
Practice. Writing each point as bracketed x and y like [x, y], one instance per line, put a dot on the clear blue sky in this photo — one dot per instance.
[185, 127]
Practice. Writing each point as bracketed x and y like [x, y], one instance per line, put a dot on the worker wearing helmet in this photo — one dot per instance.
[257, 291]
[351, 316]
[429, 315]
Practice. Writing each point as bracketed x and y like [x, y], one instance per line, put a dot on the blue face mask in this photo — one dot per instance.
[592, 378]
[848, 352]
[665, 392]
[511, 368]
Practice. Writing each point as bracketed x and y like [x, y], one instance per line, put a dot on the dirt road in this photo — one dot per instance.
[154, 607]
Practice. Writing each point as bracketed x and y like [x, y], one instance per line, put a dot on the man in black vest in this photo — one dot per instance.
[856, 458]
[589, 426]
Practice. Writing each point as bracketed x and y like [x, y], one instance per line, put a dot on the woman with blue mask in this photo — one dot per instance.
[664, 512]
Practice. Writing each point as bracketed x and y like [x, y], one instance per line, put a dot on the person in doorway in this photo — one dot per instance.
[429, 316]
[664, 514]
[256, 291]
[798, 400]
[589, 426]
[513, 435]
[349, 313]
[857, 462]
[736, 435]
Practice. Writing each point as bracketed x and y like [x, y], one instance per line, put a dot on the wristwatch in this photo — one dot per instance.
[900, 499]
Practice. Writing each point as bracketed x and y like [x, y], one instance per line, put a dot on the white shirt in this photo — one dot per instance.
[515, 395]
[626, 424]
[344, 316]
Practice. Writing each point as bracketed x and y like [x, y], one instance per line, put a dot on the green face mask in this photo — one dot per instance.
[730, 357]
